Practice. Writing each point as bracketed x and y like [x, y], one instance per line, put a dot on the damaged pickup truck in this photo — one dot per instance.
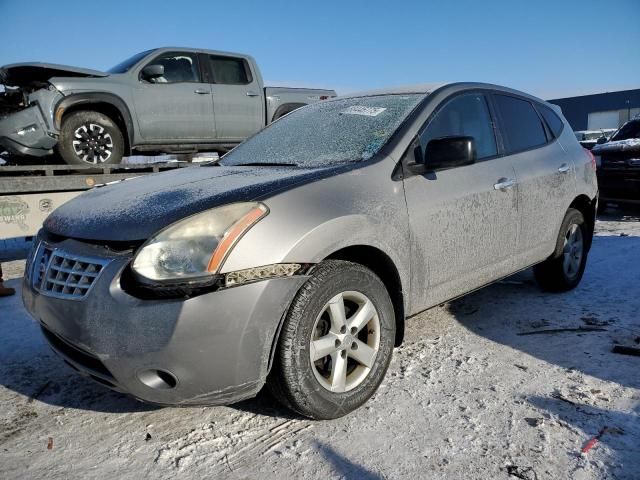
[165, 100]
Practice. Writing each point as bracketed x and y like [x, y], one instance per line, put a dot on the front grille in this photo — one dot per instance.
[63, 275]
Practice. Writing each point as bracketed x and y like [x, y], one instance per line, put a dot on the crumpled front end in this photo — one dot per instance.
[27, 121]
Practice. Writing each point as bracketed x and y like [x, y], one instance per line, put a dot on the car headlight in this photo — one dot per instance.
[196, 246]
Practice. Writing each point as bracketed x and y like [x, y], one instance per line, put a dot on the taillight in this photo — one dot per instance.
[592, 158]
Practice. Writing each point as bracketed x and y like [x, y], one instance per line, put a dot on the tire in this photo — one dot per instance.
[563, 270]
[311, 388]
[102, 140]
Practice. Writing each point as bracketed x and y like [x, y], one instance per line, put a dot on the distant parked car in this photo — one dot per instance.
[618, 163]
[589, 138]
[165, 100]
[295, 259]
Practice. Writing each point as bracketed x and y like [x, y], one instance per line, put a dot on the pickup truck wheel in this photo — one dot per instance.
[336, 342]
[564, 269]
[90, 138]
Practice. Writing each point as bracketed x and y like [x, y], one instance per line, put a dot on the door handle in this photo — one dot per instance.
[201, 91]
[251, 94]
[504, 184]
[564, 168]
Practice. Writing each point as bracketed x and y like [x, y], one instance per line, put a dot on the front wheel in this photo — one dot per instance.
[336, 342]
[90, 138]
[563, 270]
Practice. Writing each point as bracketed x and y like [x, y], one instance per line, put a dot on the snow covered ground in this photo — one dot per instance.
[467, 396]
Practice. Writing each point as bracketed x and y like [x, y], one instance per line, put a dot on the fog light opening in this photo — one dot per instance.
[158, 379]
[26, 130]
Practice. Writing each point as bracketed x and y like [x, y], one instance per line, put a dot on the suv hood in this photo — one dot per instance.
[23, 74]
[135, 209]
[618, 146]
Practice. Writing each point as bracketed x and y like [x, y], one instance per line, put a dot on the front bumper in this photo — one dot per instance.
[621, 185]
[34, 139]
[216, 346]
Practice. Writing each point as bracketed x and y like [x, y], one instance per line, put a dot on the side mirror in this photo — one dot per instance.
[152, 71]
[448, 152]
[601, 140]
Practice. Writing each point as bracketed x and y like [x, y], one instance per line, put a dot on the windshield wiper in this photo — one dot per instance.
[265, 164]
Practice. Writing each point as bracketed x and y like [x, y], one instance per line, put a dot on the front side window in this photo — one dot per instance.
[229, 71]
[466, 115]
[521, 126]
[327, 133]
[178, 68]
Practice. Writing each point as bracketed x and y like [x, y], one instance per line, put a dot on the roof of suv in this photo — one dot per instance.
[428, 88]
[423, 88]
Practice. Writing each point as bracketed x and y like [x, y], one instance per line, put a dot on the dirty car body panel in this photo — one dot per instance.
[213, 341]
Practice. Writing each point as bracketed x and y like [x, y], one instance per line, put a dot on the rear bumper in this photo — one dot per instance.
[26, 133]
[215, 347]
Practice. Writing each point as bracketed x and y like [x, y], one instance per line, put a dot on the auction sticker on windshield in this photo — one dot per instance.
[362, 110]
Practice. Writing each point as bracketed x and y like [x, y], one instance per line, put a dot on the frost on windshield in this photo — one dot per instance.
[325, 133]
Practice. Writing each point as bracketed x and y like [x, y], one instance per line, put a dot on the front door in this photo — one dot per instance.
[463, 220]
[238, 99]
[175, 106]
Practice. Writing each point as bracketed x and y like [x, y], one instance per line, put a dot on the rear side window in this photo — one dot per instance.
[466, 115]
[229, 71]
[522, 128]
[552, 119]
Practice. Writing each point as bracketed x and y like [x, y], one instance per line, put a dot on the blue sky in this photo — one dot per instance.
[549, 48]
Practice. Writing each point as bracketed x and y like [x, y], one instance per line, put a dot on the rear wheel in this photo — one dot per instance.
[90, 138]
[336, 342]
[564, 269]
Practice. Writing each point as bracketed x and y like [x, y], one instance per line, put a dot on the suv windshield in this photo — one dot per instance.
[629, 130]
[125, 65]
[325, 133]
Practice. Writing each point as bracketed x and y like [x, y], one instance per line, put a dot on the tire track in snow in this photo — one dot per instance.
[223, 451]
[264, 444]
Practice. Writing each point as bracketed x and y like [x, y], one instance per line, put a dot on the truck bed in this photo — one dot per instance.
[278, 96]
[29, 193]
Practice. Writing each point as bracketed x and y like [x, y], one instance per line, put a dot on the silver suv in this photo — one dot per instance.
[295, 260]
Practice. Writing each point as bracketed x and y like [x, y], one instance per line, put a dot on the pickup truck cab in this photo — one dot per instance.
[165, 100]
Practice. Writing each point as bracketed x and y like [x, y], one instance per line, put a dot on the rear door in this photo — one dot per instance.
[545, 175]
[463, 220]
[175, 106]
[238, 99]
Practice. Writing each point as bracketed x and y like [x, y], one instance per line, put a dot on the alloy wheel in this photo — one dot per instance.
[572, 251]
[92, 143]
[345, 341]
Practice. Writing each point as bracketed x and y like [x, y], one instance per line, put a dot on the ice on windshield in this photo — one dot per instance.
[325, 133]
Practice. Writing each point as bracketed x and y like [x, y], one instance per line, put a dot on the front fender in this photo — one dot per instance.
[273, 242]
[89, 98]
